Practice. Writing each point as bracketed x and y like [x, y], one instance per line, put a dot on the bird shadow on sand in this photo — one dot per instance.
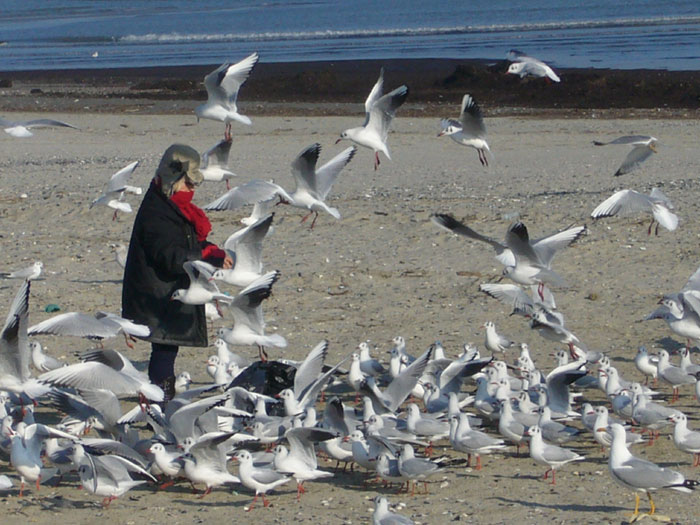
[204, 502]
[669, 344]
[576, 507]
[57, 503]
[96, 281]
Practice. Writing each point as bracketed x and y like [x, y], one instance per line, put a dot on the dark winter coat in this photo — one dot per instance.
[161, 241]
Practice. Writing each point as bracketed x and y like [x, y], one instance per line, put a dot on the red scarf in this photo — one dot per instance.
[183, 200]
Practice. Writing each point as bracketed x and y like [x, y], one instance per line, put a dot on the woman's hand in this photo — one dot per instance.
[228, 263]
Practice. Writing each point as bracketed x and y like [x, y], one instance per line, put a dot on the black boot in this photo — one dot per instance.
[168, 387]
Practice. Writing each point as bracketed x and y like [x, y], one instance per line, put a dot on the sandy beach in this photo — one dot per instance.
[383, 270]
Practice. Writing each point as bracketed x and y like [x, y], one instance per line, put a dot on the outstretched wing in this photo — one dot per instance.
[326, 174]
[251, 192]
[14, 347]
[304, 168]
[120, 179]
[622, 202]
[471, 118]
[224, 82]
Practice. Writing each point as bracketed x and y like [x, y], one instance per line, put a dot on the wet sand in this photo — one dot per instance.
[382, 270]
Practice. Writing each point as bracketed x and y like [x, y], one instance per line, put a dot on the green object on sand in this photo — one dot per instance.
[52, 308]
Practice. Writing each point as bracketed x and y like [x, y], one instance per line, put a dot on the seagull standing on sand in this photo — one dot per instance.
[41, 361]
[685, 439]
[222, 91]
[524, 65]
[28, 274]
[108, 476]
[383, 516]
[642, 148]
[550, 455]
[673, 375]
[646, 364]
[205, 462]
[494, 341]
[630, 201]
[300, 460]
[260, 480]
[642, 475]
[379, 112]
[25, 451]
[469, 130]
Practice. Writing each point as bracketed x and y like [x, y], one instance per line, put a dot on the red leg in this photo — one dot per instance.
[266, 502]
[204, 493]
[253, 504]
[314, 221]
[376, 160]
[126, 338]
[300, 490]
[478, 462]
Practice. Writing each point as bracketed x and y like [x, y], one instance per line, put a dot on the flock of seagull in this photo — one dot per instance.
[244, 416]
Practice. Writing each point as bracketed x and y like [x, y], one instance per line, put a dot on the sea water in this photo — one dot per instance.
[61, 34]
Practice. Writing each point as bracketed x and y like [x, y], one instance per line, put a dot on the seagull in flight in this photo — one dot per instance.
[379, 112]
[630, 201]
[21, 128]
[215, 163]
[222, 91]
[245, 249]
[642, 148]
[469, 130]
[525, 65]
[545, 247]
[118, 185]
[312, 185]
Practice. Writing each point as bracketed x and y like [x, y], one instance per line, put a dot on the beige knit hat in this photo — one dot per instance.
[178, 161]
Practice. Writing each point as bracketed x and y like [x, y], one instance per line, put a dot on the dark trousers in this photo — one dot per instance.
[162, 363]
